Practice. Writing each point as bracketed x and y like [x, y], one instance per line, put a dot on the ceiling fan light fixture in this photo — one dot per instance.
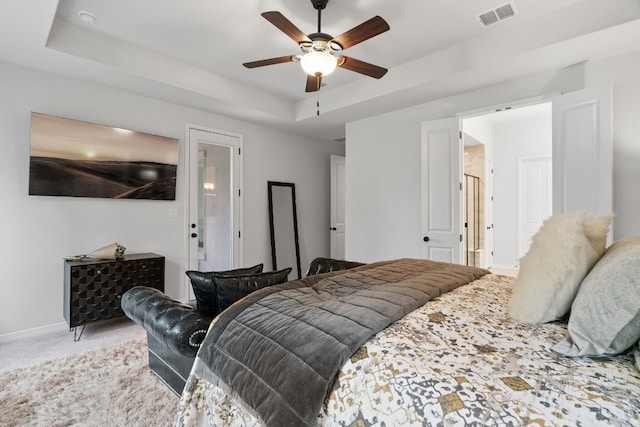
[321, 52]
[335, 46]
[318, 62]
[306, 46]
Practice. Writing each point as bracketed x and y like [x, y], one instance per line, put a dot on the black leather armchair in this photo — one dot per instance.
[326, 265]
[175, 330]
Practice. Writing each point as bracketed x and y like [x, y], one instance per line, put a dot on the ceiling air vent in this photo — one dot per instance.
[498, 14]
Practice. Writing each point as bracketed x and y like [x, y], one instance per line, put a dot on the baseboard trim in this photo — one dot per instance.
[28, 333]
[504, 266]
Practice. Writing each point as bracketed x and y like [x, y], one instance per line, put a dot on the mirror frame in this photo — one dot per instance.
[270, 185]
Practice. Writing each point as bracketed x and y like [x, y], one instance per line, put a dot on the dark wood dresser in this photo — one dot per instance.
[93, 287]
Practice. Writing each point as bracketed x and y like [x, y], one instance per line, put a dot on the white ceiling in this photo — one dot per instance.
[518, 115]
[191, 52]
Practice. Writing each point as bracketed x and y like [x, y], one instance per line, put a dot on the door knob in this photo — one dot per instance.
[425, 238]
[194, 235]
[332, 228]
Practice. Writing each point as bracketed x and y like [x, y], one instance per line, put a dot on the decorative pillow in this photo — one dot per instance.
[605, 316]
[205, 290]
[561, 254]
[231, 289]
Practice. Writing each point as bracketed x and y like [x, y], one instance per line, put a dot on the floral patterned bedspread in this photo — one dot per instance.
[457, 361]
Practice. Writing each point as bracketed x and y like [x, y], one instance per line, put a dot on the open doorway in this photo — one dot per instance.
[507, 183]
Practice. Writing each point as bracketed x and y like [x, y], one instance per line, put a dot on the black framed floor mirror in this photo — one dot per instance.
[283, 223]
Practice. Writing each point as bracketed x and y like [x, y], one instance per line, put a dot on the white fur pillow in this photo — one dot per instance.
[561, 254]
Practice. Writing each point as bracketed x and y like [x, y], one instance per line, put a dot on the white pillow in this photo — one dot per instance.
[605, 316]
[561, 254]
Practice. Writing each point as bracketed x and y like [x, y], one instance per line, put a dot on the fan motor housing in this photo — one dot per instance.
[319, 4]
[320, 36]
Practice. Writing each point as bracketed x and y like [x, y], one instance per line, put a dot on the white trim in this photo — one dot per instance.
[503, 266]
[29, 333]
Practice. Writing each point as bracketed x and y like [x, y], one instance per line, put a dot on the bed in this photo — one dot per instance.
[456, 359]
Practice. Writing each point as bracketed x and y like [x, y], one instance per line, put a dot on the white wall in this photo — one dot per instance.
[481, 129]
[383, 188]
[383, 156]
[513, 141]
[37, 232]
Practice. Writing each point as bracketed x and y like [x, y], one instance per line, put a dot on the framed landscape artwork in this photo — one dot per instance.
[80, 159]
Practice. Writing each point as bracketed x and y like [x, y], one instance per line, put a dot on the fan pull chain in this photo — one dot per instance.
[318, 80]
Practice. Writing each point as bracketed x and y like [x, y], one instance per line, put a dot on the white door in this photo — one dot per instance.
[534, 198]
[442, 190]
[583, 151]
[337, 227]
[215, 202]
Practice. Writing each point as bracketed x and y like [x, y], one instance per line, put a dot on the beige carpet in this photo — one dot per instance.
[108, 387]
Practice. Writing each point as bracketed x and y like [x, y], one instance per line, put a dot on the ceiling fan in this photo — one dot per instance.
[321, 51]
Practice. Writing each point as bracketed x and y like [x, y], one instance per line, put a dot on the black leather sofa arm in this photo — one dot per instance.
[326, 265]
[174, 323]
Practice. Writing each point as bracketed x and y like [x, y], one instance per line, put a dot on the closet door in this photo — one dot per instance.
[583, 151]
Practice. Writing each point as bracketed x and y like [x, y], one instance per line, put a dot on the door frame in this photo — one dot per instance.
[191, 174]
[488, 212]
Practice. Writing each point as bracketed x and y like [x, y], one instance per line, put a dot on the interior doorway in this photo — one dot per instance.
[501, 196]
[477, 223]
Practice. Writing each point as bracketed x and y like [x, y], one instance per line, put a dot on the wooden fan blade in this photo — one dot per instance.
[270, 61]
[286, 26]
[313, 83]
[362, 32]
[361, 67]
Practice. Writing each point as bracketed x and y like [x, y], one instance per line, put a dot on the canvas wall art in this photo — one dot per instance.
[79, 159]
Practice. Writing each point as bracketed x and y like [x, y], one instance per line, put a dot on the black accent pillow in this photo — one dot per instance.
[205, 290]
[231, 289]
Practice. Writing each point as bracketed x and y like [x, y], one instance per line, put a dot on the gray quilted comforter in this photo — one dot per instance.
[278, 350]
